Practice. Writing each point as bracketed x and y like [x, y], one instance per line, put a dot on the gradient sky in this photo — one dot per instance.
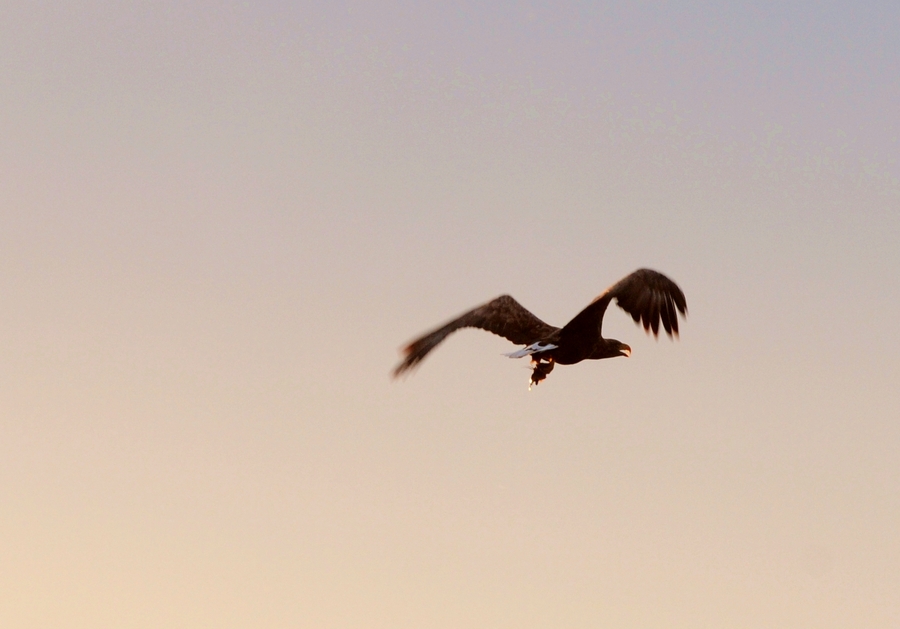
[219, 221]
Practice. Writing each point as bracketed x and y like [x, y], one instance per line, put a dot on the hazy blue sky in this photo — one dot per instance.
[219, 221]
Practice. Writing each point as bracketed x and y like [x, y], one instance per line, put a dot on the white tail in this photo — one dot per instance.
[534, 348]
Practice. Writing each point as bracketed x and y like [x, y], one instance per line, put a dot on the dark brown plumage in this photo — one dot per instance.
[648, 296]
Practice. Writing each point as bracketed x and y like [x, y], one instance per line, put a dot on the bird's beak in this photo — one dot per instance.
[626, 351]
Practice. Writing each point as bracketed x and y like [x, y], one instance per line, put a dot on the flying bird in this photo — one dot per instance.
[647, 295]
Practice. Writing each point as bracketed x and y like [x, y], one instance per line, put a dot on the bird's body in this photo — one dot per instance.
[648, 296]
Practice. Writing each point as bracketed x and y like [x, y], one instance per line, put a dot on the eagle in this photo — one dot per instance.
[647, 295]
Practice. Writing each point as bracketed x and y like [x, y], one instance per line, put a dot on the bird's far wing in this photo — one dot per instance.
[650, 297]
[503, 316]
[647, 295]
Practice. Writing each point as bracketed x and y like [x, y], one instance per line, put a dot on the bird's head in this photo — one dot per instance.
[624, 350]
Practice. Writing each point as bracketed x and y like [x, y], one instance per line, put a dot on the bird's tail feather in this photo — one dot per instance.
[534, 348]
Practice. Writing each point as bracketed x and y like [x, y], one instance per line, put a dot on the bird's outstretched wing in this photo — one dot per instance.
[503, 316]
[647, 295]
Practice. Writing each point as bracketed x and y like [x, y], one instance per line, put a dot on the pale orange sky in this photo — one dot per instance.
[219, 222]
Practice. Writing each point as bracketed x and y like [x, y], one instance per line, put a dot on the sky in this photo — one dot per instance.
[220, 220]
